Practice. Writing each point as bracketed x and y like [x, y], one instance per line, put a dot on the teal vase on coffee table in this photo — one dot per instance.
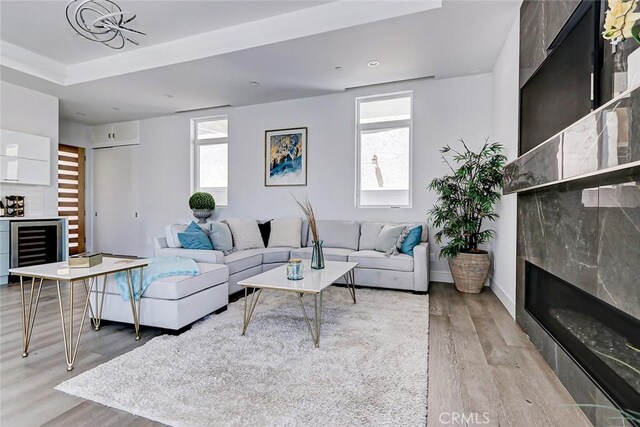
[317, 257]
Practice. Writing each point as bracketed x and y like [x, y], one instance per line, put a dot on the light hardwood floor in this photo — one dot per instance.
[479, 362]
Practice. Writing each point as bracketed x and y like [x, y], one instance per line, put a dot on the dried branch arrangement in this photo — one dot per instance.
[307, 210]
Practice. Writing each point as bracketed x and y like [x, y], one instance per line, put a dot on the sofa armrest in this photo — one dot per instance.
[198, 255]
[421, 267]
[160, 243]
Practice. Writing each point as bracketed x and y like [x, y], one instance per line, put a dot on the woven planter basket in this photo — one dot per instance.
[470, 271]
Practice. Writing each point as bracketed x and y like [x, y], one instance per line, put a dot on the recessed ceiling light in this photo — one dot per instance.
[254, 83]
[338, 68]
[168, 95]
[373, 63]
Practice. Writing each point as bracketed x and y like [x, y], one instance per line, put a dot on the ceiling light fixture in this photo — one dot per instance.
[101, 21]
[338, 68]
[254, 83]
[168, 95]
[373, 63]
[116, 109]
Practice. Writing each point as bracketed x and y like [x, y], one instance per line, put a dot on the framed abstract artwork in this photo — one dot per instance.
[285, 157]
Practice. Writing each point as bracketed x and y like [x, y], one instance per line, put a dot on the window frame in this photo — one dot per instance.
[383, 125]
[198, 142]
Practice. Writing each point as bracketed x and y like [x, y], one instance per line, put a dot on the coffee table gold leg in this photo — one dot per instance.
[134, 312]
[315, 331]
[350, 279]
[71, 350]
[255, 295]
[29, 317]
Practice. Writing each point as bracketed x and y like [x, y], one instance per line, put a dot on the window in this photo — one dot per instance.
[211, 165]
[384, 130]
[71, 194]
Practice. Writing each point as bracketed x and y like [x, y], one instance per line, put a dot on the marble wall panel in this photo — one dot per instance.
[539, 166]
[559, 234]
[619, 246]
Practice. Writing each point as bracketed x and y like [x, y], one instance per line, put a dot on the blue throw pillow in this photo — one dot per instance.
[195, 228]
[195, 240]
[411, 241]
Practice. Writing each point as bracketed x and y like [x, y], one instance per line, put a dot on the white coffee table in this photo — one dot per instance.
[315, 282]
[60, 272]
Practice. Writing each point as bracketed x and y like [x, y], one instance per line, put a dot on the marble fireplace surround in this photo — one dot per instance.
[579, 219]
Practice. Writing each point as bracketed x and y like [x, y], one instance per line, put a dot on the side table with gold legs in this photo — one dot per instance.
[90, 277]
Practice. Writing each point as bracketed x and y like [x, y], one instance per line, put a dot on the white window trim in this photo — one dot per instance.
[195, 153]
[391, 124]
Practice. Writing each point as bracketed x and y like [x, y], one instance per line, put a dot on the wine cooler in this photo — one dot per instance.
[36, 242]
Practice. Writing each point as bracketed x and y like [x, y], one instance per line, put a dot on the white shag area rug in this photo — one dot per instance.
[371, 367]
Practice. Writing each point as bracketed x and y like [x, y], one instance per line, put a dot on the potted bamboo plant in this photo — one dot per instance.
[466, 199]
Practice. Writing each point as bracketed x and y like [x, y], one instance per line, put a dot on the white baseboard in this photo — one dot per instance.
[508, 303]
[440, 276]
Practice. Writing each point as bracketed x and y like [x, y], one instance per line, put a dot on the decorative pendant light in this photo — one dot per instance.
[101, 21]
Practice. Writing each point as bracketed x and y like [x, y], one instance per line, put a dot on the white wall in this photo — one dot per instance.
[79, 135]
[444, 111]
[36, 113]
[505, 130]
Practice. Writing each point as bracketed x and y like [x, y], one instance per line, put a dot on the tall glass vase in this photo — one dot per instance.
[317, 257]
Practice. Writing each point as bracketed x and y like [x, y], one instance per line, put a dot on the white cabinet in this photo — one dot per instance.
[124, 133]
[24, 158]
[117, 225]
[24, 171]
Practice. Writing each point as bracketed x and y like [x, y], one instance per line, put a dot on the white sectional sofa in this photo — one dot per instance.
[172, 302]
[343, 241]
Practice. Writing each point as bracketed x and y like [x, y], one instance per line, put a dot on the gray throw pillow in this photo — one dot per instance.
[388, 238]
[220, 236]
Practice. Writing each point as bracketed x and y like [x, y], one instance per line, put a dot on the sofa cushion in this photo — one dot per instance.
[220, 236]
[338, 234]
[378, 260]
[171, 233]
[198, 241]
[242, 260]
[265, 231]
[285, 233]
[177, 287]
[388, 238]
[369, 232]
[272, 255]
[330, 254]
[246, 234]
[411, 240]
[211, 257]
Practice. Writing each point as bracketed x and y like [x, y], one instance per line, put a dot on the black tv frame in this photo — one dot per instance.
[578, 13]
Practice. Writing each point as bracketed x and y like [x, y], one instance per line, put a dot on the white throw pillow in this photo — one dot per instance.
[285, 233]
[246, 234]
[388, 238]
[171, 233]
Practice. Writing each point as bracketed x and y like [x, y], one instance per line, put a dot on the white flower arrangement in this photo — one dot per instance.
[620, 20]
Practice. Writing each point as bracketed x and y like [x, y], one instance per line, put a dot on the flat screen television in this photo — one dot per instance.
[560, 92]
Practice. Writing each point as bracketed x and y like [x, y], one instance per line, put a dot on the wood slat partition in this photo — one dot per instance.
[72, 204]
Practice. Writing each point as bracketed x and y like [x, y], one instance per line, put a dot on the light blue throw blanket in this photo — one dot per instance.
[158, 268]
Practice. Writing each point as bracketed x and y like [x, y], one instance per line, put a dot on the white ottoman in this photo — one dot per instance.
[172, 302]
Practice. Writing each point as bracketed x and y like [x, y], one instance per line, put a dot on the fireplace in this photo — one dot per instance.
[603, 340]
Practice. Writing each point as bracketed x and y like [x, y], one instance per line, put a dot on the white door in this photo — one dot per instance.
[116, 200]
